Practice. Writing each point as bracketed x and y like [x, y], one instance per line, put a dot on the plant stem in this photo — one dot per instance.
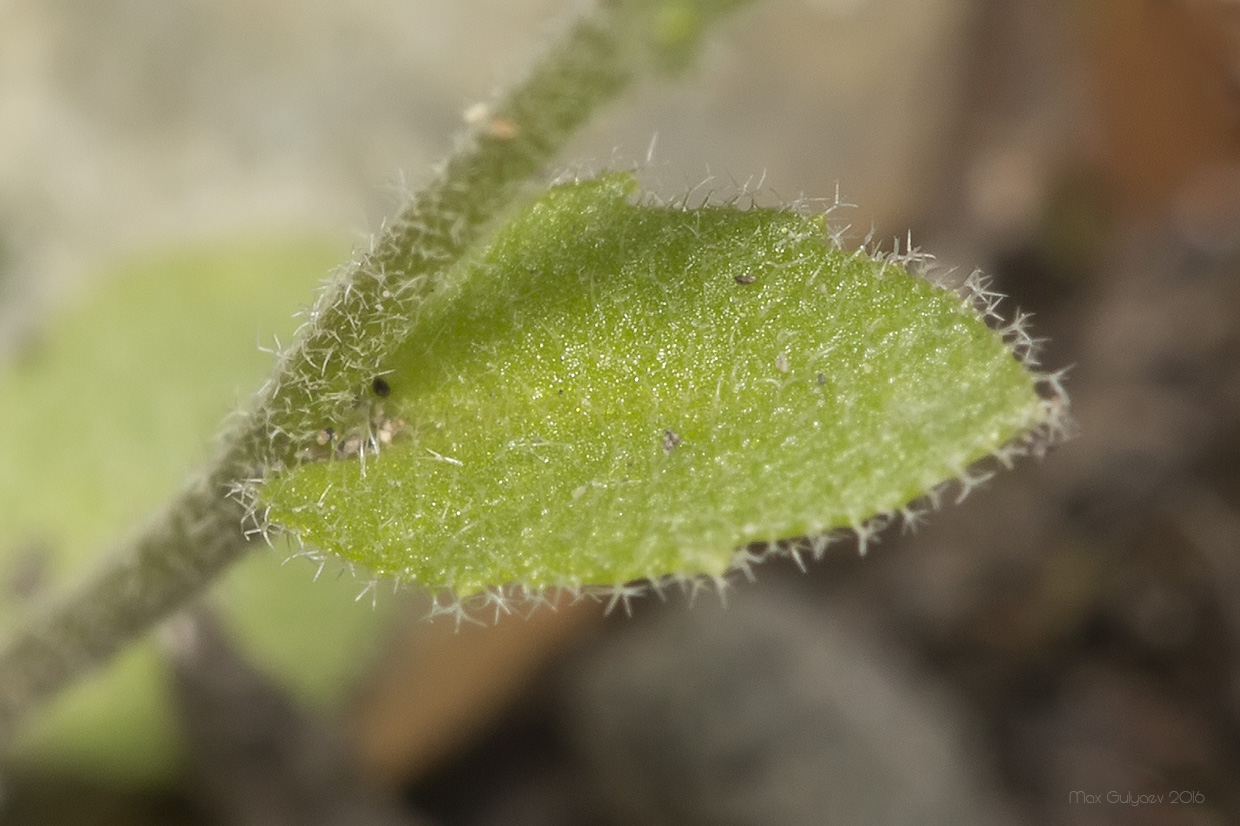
[357, 320]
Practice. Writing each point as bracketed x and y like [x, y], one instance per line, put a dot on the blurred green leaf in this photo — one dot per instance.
[109, 409]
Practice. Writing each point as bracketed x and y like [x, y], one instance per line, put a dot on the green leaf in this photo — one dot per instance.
[110, 408]
[610, 392]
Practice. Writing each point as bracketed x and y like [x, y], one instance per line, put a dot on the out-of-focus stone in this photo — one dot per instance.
[768, 711]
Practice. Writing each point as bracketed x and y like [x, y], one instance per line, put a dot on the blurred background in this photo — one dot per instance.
[1062, 644]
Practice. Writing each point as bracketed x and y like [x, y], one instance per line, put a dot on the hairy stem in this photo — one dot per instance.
[359, 318]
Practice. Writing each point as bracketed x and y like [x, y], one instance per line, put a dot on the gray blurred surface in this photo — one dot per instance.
[127, 122]
[771, 710]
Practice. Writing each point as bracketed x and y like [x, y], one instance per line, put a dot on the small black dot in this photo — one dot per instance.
[381, 387]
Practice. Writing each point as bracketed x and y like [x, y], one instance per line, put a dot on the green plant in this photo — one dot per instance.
[803, 389]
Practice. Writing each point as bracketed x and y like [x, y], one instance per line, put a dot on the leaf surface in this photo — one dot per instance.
[610, 392]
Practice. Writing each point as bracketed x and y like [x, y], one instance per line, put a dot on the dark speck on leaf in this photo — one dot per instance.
[822, 380]
[381, 387]
[745, 279]
[671, 439]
